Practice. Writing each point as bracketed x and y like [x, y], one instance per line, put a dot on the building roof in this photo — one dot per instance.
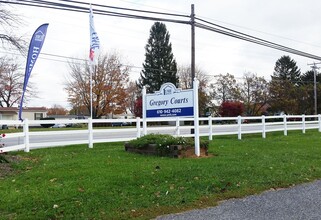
[26, 109]
[34, 109]
[8, 109]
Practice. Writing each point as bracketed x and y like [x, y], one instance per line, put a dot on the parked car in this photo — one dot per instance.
[59, 126]
[4, 127]
[69, 125]
[114, 124]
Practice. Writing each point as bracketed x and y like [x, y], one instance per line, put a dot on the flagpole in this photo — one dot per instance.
[91, 91]
[93, 55]
[90, 124]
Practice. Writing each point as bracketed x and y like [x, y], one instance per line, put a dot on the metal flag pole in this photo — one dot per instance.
[93, 56]
[91, 90]
[92, 72]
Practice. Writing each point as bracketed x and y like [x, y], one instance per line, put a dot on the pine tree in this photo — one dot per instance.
[285, 93]
[160, 65]
[286, 69]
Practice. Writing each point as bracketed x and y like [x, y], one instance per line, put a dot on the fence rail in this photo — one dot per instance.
[210, 126]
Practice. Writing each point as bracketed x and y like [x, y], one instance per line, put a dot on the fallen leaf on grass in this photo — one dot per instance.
[53, 180]
[157, 194]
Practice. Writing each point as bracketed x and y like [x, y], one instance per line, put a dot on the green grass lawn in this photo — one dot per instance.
[106, 182]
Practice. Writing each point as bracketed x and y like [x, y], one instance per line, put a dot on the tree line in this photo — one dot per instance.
[289, 91]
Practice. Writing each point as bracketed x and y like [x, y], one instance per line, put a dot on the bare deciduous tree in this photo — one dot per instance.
[9, 24]
[185, 77]
[133, 93]
[254, 94]
[11, 83]
[57, 110]
[185, 82]
[109, 85]
[225, 89]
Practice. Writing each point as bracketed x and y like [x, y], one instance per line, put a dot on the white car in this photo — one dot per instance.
[59, 126]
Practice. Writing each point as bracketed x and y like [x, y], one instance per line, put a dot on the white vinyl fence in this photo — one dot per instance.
[210, 126]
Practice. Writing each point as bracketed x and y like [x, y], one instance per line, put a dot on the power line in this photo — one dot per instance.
[60, 56]
[252, 39]
[259, 31]
[84, 60]
[73, 8]
[128, 9]
[207, 26]
[47, 54]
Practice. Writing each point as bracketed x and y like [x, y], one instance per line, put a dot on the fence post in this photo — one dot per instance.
[26, 135]
[285, 125]
[177, 127]
[144, 126]
[303, 124]
[319, 119]
[138, 126]
[239, 123]
[144, 110]
[263, 127]
[210, 137]
[90, 133]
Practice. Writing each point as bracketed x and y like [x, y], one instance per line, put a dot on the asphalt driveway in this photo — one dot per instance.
[299, 202]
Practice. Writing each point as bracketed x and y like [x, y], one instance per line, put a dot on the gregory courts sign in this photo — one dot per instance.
[169, 102]
[172, 102]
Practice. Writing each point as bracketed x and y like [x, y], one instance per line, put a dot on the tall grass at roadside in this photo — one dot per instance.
[106, 182]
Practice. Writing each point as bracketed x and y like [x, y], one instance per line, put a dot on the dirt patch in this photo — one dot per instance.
[6, 168]
[190, 153]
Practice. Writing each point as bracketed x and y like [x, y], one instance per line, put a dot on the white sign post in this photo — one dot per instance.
[170, 101]
[196, 121]
[144, 111]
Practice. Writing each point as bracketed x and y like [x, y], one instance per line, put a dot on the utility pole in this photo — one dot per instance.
[314, 68]
[193, 44]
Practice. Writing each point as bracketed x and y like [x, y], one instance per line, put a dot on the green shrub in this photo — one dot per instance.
[78, 125]
[163, 142]
[157, 139]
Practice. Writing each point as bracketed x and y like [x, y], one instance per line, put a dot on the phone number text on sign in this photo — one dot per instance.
[170, 112]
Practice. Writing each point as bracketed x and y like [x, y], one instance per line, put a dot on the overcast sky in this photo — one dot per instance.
[293, 23]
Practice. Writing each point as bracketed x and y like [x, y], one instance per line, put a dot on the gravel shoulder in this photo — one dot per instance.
[298, 202]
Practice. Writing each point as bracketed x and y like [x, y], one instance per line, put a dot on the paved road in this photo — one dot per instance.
[300, 202]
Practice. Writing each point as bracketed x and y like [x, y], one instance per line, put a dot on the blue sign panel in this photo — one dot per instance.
[169, 102]
[170, 112]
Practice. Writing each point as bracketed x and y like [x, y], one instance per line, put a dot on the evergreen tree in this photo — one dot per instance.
[307, 85]
[160, 65]
[285, 92]
[286, 69]
[308, 77]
